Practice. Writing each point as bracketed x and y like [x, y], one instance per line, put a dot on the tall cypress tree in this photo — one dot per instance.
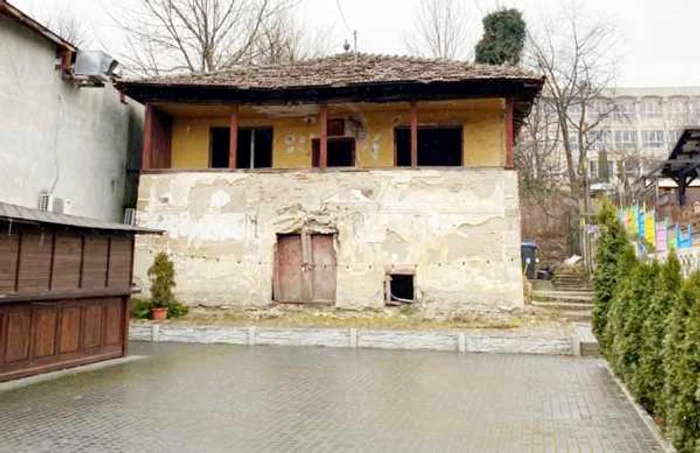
[610, 257]
[504, 38]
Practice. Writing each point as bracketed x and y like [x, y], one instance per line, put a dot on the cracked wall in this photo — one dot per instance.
[458, 229]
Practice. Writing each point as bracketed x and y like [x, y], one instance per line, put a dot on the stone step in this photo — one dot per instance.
[573, 288]
[576, 315]
[569, 296]
[589, 349]
[562, 305]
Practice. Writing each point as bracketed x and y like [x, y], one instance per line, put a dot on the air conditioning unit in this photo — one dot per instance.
[130, 216]
[94, 67]
[50, 203]
[45, 202]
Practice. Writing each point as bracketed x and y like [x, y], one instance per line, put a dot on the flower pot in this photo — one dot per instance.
[159, 314]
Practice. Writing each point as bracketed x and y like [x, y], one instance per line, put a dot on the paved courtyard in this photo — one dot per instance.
[194, 398]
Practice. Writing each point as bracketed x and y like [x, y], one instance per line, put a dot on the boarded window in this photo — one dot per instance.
[341, 152]
[438, 146]
[9, 247]
[95, 255]
[305, 269]
[66, 262]
[35, 262]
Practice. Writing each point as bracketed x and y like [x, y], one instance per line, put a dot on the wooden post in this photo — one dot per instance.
[323, 149]
[414, 134]
[233, 141]
[510, 157]
[147, 139]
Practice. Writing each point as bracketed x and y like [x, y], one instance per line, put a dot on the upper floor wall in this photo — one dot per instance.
[464, 133]
[56, 137]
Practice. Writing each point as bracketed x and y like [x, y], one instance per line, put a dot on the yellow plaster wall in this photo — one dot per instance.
[483, 122]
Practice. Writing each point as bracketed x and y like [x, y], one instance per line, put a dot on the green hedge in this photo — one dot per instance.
[647, 320]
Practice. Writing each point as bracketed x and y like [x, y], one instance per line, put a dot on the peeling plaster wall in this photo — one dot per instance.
[458, 229]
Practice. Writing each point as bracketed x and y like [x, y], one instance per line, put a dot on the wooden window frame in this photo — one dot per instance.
[419, 128]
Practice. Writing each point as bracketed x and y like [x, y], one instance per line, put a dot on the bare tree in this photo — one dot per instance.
[577, 56]
[440, 30]
[68, 27]
[195, 35]
[537, 152]
[281, 39]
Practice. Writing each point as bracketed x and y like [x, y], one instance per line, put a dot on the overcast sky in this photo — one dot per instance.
[659, 38]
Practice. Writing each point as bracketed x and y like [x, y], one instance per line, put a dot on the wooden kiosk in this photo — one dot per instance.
[65, 287]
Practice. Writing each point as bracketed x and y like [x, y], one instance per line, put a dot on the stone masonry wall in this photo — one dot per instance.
[457, 229]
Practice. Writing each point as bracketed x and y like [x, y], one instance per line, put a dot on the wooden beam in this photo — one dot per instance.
[323, 123]
[414, 134]
[147, 139]
[509, 139]
[233, 141]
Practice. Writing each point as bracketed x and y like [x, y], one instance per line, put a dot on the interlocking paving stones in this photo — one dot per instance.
[205, 398]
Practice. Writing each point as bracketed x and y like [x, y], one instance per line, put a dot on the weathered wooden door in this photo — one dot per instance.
[305, 269]
[323, 268]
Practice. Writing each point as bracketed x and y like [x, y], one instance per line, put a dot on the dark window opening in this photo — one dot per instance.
[254, 148]
[437, 146]
[401, 289]
[336, 127]
[341, 152]
[218, 154]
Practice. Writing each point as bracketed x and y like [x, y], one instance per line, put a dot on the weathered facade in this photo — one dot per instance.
[387, 180]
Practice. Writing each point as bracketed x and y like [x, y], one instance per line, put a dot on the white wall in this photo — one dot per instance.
[54, 136]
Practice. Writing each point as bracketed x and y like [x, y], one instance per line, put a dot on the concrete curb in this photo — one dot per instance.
[24, 382]
[486, 341]
[643, 414]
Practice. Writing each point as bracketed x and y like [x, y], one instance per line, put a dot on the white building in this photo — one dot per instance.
[63, 137]
[641, 128]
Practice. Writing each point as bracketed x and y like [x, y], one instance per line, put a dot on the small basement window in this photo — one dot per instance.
[401, 289]
[341, 152]
[438, 146]
[254, 147]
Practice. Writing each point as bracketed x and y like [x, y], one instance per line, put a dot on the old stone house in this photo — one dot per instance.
[354, 181]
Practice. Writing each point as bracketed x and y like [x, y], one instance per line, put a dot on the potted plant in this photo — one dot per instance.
[162, 277]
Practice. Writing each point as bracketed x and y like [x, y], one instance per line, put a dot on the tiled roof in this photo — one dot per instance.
[11, 212]
[346, 70]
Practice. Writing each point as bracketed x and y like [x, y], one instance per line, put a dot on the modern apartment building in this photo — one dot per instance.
[630, 132]
[641, 128]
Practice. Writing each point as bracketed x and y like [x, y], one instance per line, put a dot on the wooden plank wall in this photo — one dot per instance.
[38, 262]
[39, 337]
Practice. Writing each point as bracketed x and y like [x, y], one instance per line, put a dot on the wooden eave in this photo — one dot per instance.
[522, 92]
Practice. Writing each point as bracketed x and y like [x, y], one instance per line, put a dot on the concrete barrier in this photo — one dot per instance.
[521, 341]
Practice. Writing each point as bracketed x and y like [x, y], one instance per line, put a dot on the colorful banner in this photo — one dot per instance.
[642, 225]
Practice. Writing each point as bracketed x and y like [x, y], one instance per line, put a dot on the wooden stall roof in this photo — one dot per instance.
[684, 160]
[20, 214]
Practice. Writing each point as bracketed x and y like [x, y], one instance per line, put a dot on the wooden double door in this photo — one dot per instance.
[305, 268]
